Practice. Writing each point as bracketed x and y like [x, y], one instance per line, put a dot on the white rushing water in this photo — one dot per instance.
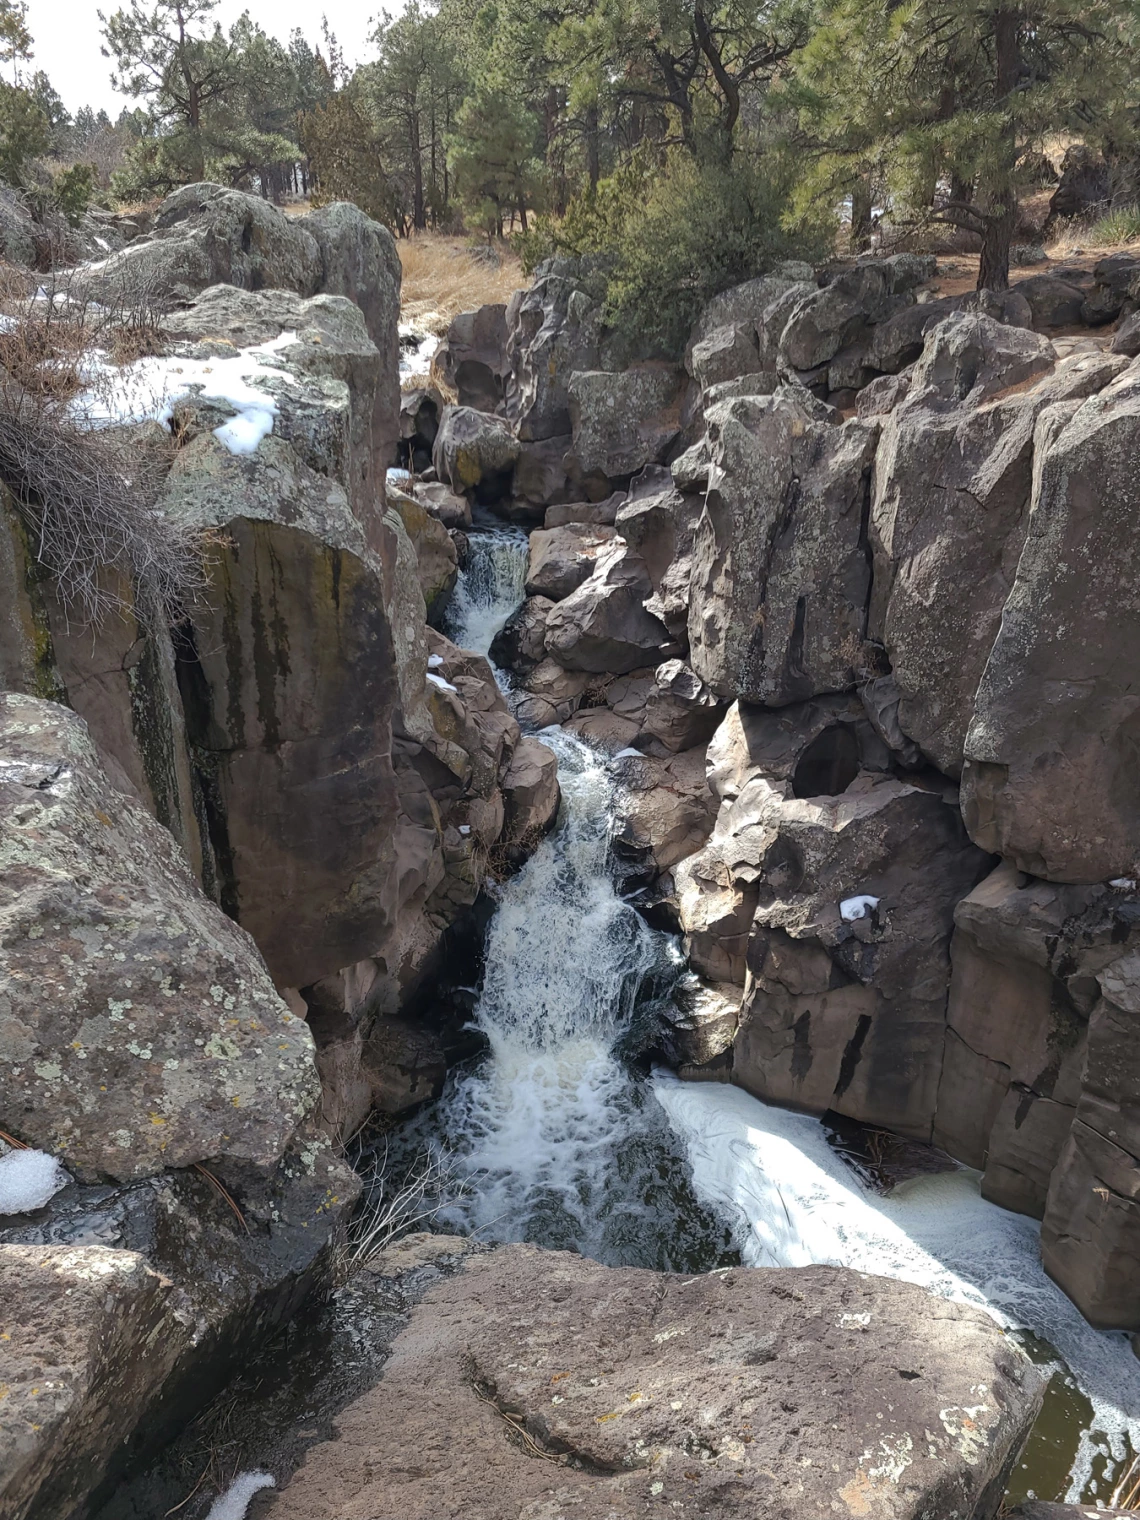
[794, 1201]
[489, 588]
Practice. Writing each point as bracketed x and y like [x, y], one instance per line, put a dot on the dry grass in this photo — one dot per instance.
[445, 275]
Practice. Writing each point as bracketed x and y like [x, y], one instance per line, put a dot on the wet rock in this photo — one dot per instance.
[139, 1028]
[530, 792]
[700, 1022]
[475, 451]
[1051, 748]
[471, 362]
[560, 559]
[882, 1376]
[780, 576]
[668, 810]
[622, 422]
[603, 626]
[520, 644]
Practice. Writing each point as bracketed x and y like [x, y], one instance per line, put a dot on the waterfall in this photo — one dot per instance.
[556, 1139]
[489, 588]
[792, 1200]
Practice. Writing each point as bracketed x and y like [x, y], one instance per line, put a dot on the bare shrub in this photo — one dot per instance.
[88, 493]
[396, 1202]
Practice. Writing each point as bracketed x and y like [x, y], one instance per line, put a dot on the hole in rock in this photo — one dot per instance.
[829, 764]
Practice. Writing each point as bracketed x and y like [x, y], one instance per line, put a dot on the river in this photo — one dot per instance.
[561, 1135]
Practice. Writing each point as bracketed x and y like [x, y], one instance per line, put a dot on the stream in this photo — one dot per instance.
[562, 1134]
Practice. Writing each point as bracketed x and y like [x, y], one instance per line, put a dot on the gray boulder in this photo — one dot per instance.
[660, 526]
[780, 578]
[603, 626]
[553, 330]
[560, 559]
[1050, 754]
[1053, 301]
[623, 422]
[139, 1028]
[919, 1404]
[724, 354]
[520, 644]
[475, 451]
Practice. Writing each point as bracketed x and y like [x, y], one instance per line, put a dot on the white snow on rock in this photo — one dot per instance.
[28, 1179]
[852, 908]
[441, 683]
[149, 390]
[416, 350]
[233, 1504]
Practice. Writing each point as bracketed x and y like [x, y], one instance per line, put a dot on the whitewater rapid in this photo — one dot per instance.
[489, 589]
[793, 1201]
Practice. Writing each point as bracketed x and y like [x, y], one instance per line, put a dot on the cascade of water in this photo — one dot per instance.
[489, 588]
[560, 1143]
[793, 1201]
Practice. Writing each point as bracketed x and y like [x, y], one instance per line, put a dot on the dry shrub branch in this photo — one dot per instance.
[88, 494]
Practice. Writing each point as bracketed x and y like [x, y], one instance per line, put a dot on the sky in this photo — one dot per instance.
[68, 38]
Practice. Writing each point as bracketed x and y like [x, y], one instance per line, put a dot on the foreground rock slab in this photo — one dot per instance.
[542, 1385]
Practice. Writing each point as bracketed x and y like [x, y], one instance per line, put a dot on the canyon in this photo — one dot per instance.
[698, 801]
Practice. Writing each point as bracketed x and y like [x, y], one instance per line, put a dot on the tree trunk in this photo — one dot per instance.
[1001, 202]
[418, 218]
[993, 266]
[593, 163]
[522, 211]
[861, 214]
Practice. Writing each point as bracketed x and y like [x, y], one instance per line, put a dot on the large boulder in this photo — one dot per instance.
[952, 485]
[660, 524]
[475, 451]
[836, 884]
[623, 422]
[825, 322]
[553, 330]
[471, 362]
[437, 560]
[717, 1394]
[667, 811]
[139, 1028]
[603, 626]
[560, 559]
[780, 577]
[1050, 754]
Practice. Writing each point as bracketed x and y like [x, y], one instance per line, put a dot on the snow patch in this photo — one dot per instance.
[28, 1179]
[150, 389]
[233, 1504]
[435, 661]
[441, 683]
[852, 908]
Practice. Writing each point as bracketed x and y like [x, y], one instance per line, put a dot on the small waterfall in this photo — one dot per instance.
[792, 1201]
[490, 587]
[557, 1140]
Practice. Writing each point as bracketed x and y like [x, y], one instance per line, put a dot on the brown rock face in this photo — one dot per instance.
[139, 1028]
[1049, 781]
[828, 888]
[789, 1393]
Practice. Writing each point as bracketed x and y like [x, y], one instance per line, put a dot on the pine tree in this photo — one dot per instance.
[940, 101]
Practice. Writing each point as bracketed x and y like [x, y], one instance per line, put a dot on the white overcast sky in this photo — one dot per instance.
[67, 38]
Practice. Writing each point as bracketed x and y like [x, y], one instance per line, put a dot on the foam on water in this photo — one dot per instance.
[489, 588]
[791, 1201]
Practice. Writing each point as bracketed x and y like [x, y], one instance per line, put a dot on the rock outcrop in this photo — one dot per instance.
[735, 1393]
